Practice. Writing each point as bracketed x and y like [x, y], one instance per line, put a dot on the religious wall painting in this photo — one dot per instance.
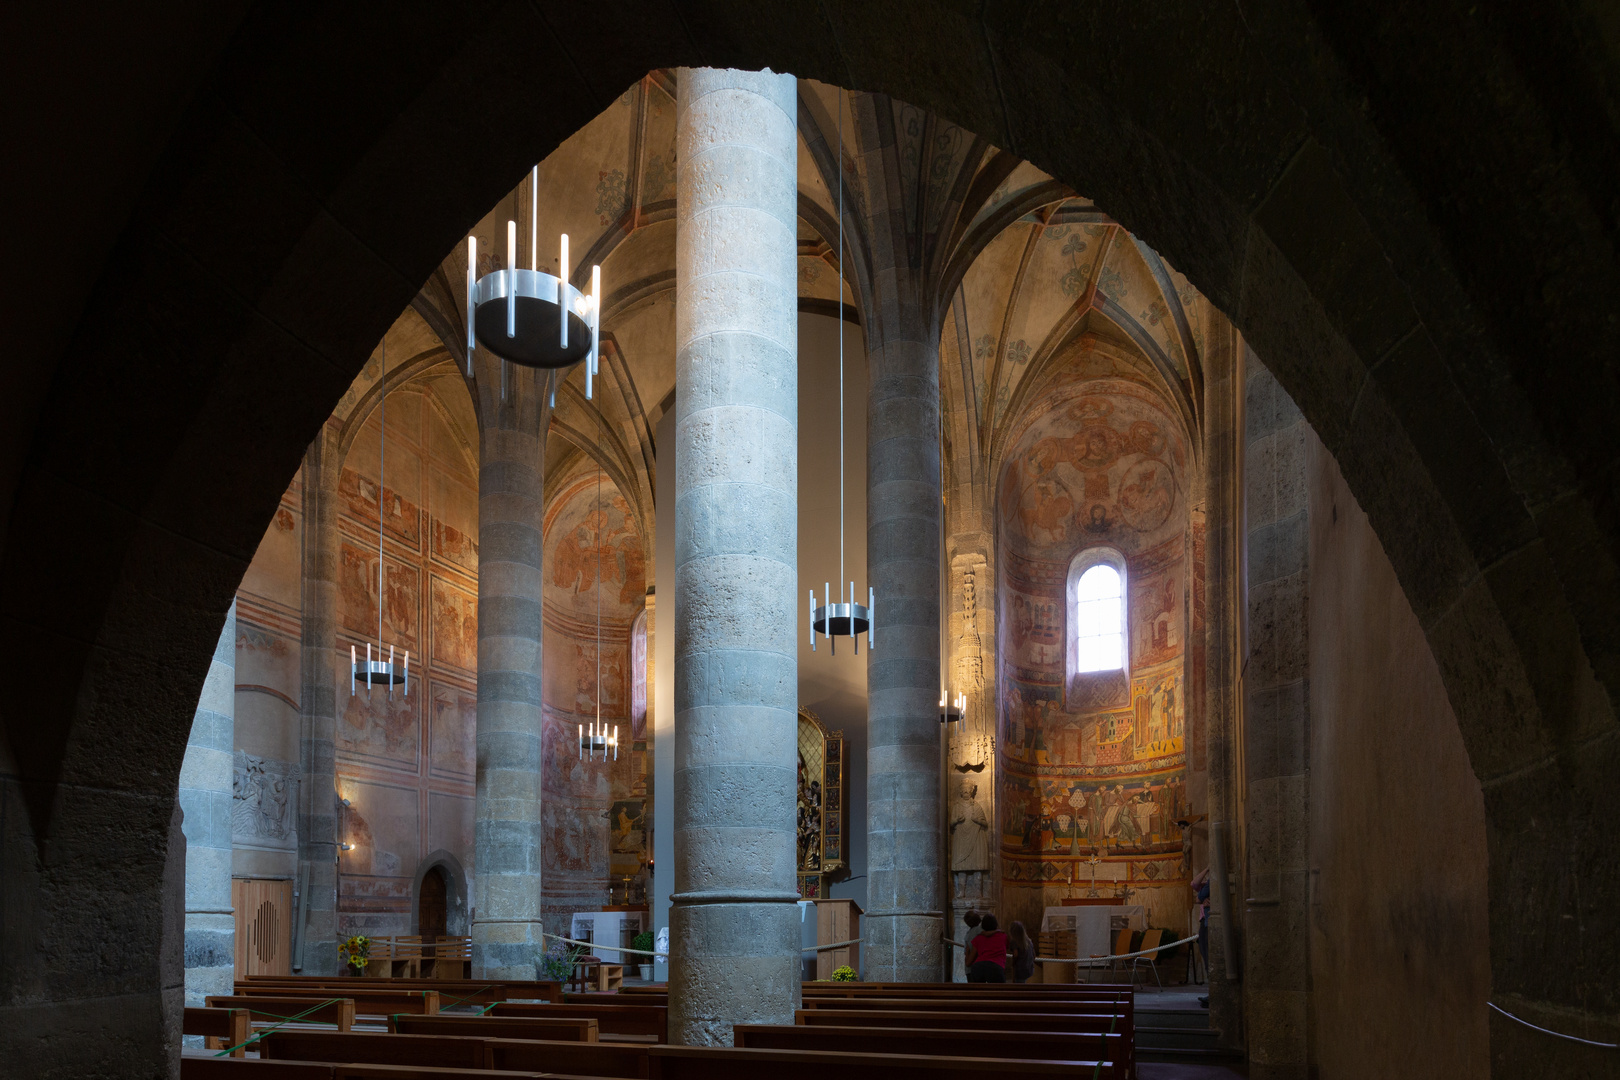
[357, 495]
[574, 837]
[1093, 816]
[357, 596]
[453, 726]
[1156, 617]
[454, 547]
[1102, 468]
[374, 725]
[455, 625]
[822, 790]
[566, 773]
[1159, 714]
[591, 530]
[627, 838]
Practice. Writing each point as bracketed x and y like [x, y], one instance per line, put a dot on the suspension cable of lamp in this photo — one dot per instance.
[836, 620]
[597, 738]
[380, 670]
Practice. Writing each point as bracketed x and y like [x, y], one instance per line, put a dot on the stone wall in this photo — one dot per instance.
[1399, 952]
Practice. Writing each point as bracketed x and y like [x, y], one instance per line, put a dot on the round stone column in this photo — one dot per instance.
[205, 800]
[905, 878]
[734, 926]
[506, 923]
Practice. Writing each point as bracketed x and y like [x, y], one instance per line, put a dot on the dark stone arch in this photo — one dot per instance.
[1411, 219]
[458, 891]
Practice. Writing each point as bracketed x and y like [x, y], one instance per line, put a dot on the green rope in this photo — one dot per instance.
[284, 1020]
[1113, 1019]
[459, 1000]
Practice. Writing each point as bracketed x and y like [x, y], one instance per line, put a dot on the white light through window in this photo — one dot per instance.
[1098, 611]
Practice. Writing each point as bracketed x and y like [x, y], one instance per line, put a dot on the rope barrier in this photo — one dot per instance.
[1094, 961]
[1547, 1031]
[644, 952]
[284, 1020]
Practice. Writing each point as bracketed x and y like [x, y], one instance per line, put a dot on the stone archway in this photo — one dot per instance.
[1410, 220]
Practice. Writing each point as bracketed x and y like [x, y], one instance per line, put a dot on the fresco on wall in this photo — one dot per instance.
[1092, 777]
[377, 725]
[455, 547]
[357, 595]
[454, 712]
[455, 625]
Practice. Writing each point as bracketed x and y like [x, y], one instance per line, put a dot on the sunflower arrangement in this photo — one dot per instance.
[358, 952]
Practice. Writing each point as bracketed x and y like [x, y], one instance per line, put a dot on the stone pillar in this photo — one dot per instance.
[905, 888]
[734, 925]
[506, 925]
[315, 944]
[1277, 977]
[205, 800]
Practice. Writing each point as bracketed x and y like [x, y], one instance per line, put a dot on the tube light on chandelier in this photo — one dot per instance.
[846, 618]
[379, 671]
[529, 317]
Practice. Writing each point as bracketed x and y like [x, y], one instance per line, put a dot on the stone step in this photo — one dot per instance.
[1174, 1038]
[1191, 1019]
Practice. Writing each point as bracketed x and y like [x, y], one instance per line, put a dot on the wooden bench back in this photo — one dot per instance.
[481, 991]
[554, 1028]
[222, 1027]
[729, 1063]
[649, 1020]
[1114, 1049]
[233, 1068]
[367, 1002]
[578, 1059]
[339, 1012]
[1016, 1021]
[452, 1052]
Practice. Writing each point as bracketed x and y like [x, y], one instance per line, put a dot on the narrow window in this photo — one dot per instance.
[1099, 622]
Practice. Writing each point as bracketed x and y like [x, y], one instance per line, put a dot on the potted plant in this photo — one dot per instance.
[843, 973]
[557, 962]
[643, 944]
[357, 950]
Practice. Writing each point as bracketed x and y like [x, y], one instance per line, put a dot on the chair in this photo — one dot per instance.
[1150, 948]
[1122, 944]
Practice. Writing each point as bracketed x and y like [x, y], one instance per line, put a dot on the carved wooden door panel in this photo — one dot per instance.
[263, 926]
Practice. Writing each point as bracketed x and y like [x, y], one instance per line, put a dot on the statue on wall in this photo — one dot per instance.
[970, 839]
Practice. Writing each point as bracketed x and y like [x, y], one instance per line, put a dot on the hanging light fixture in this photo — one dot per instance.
[953, 710]
[529, 317]
[844, 618]
[379, 672]
[597, 740]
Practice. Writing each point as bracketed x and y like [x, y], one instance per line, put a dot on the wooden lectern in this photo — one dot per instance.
[837, 920]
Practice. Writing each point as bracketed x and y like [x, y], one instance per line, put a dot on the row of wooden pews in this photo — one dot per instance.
[856, 1031]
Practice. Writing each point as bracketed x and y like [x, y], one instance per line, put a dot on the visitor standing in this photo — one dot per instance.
[987, 953]
[1023, 952]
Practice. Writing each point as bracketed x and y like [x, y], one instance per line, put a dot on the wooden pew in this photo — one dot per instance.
[193, 1068]
[453, 1052]
[474, 991]
[1064, 1023]
[578, 1059]
[1030, 1045]
[730, 1063]
[339, 1012]
[970, 988]
[1125, 1009]
[367, 1002]
[221, 1027]
[551, 1028]
[231, 1068]
[614, 1021]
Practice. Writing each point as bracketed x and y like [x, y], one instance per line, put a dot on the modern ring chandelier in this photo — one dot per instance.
[379, 671]
[529, 317]
[842, 619]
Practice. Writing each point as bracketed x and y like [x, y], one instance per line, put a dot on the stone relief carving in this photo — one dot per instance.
[264, 799]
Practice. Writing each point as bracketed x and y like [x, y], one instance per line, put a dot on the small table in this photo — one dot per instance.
[604, 977]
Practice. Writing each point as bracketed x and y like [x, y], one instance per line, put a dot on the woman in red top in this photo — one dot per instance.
[987, 954]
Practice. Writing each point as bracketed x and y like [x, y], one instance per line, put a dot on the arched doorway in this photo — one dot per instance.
[432, 907]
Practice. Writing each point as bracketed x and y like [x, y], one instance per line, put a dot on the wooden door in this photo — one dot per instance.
[432, 911]
[263, 926]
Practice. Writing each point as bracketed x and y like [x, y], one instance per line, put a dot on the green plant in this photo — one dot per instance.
[843, 973]
[557, 963]
[643, 944]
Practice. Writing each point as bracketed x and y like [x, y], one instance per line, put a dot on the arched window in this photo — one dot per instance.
[1098, 644]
